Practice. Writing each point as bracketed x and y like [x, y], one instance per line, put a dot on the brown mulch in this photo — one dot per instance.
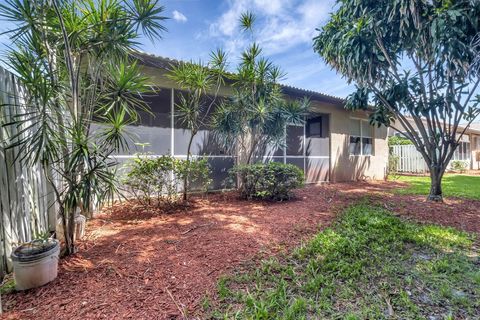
[463, 214]
[136, 263]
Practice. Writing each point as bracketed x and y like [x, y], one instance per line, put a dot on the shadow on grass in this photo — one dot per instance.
[460, 186]
[368, 265]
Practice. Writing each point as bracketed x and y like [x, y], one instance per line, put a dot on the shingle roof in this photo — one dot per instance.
[155, 61]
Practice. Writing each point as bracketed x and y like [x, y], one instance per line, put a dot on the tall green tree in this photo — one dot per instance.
[257, 113]
[410, 58]
[201, 84]
[72, 57]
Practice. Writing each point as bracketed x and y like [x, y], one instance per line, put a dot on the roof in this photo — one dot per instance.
[155, 61]
[473, 128]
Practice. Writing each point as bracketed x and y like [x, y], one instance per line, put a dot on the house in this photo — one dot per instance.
[334, 144]
[468, 149]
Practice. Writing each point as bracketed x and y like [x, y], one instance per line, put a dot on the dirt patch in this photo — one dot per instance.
[142, 264]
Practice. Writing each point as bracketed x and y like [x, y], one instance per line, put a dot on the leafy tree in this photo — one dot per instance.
[197, 80]
[72, 58]
[257, 113]
[410, 58]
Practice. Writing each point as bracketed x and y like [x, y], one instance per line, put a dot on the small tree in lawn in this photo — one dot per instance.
[72, 59]
[257, 113]
[197, 80]
[410, 58]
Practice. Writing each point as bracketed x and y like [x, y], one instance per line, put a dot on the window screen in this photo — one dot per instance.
[294, 140]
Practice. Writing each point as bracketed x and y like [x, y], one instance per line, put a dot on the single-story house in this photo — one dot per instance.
[335, 144]
[468, 149]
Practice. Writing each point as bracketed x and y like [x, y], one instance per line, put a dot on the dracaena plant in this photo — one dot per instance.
[72, 58]
[415, 63]
[200, 84]
[257, 112]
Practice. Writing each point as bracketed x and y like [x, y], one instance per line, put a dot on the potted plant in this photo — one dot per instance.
[35, 263]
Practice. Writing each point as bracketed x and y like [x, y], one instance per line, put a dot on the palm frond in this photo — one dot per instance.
[247, 20]
[147, 16]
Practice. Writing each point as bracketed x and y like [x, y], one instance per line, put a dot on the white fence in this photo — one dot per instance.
[25, 197]
[409, 159]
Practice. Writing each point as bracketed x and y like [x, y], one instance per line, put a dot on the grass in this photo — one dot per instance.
[368, 265]
[460, 186]
[7, 286]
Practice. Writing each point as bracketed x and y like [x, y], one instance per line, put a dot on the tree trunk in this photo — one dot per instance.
[69, 234]
[436, 175]
[185, 177]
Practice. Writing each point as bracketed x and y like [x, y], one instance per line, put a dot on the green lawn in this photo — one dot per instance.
[368, 265]
[453, 186]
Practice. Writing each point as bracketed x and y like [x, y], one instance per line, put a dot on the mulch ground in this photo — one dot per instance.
[136, 263]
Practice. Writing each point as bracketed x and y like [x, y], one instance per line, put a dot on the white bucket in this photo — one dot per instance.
[36, 270]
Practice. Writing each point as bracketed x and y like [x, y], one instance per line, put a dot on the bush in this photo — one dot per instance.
[197, 173]
[459, 165]
[270, 181]
[398, 141]
[159, 180]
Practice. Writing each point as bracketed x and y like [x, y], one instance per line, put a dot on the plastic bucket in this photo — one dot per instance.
[35, 270]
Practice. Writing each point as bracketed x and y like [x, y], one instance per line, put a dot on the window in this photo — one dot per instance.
[462, 152]
[314, 128]
[317, 143]
[477, 144]
[361, 138]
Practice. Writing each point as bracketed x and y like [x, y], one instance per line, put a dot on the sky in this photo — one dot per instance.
[283, 28]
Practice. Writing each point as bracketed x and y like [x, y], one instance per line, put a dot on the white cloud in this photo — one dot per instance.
[272, 7]
[178, 16]
[280, 25]
[285, 30]
[227, 23]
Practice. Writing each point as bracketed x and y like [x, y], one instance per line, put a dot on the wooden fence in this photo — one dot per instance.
[26, 202]
[409, 159]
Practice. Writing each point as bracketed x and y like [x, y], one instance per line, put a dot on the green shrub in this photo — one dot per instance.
[459, 165]
[270, 181]
[398, 141]
[197, 173]
[158, 181]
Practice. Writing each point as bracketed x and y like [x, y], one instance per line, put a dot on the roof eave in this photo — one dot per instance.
[154, 61]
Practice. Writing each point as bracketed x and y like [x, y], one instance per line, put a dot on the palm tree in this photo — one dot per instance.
[257, 113]
[72, 57]
[197, 80]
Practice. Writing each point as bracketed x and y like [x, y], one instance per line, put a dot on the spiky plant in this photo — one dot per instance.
[257, 113]
[72, 57]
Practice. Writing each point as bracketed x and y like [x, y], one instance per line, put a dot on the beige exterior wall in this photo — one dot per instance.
[475, 149]
[346, 167]
[342, 166]
[158, 77]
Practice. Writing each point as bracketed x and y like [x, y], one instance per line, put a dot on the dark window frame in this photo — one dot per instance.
[314, 120]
